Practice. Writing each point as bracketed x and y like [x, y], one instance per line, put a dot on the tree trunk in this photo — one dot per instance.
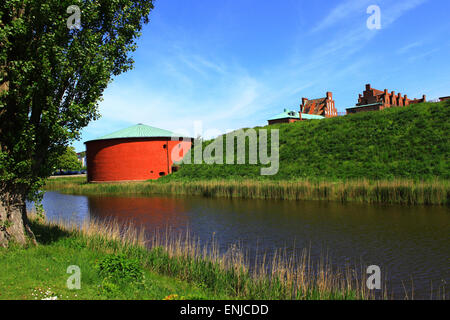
[14, 226]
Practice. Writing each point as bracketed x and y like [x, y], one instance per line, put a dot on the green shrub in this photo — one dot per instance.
[119, 269]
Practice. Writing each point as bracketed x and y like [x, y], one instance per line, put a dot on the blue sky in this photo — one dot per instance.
[233, 64]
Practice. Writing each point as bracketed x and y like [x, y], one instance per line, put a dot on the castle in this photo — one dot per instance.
[370, 100]
[374, 100]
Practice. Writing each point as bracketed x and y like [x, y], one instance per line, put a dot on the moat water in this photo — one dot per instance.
[411, 244]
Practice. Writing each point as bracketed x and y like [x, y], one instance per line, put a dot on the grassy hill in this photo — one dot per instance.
[407, 143]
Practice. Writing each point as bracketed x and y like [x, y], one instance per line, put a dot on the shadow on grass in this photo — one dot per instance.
[46, 234]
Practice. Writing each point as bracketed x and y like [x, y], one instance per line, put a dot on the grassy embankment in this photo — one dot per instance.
[117, 265]
[398, 155]
[409, 143]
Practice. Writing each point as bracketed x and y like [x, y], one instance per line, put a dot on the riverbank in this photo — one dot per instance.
[115, 263]
[405, 192]
[40, 272]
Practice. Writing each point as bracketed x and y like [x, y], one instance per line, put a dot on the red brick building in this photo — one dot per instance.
[374, 100]
[444, 98]
[134, 154]
[322, 107]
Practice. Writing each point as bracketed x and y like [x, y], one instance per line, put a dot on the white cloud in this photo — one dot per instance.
[348, 11]
[393, 10]
[422, 55]
[343, 11]
[410, 46]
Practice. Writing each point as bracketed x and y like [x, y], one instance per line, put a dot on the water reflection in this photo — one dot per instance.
[148, 212]
[406, 242]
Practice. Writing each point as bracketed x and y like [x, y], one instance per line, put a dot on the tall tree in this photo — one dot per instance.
[52, 77]
[68, 160]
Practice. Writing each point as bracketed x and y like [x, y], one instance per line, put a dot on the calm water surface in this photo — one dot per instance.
[410, 244]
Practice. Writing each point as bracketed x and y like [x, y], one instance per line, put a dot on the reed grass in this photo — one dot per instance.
[181, 256]
[282, 277]
[405, 192]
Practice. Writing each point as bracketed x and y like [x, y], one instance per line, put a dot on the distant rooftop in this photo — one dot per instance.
[288, 114]
[311, 116]
[365, 105]
[139, 131]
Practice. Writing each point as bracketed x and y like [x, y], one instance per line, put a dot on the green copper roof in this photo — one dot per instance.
[286, 114]
[365, 105]
[139, 131]
[311, 116]
[295, 115]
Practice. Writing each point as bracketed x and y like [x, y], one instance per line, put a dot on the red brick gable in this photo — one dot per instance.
[321, 106]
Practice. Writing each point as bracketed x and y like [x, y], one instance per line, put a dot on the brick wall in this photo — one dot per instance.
[285, 120]
[385, 98]
[132, 159]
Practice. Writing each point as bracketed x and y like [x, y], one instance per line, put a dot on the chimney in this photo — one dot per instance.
[424, 97]
[329, 95]
[368, 87]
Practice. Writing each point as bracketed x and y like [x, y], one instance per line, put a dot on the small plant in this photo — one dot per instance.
[109, 289]
[38, 206]
[119, 269]
[40, 213]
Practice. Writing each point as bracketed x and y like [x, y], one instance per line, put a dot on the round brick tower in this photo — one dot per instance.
[134, 154]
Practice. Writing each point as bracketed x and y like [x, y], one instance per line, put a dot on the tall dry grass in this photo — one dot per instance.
[283, 276]
[406, 192]
[97, 233]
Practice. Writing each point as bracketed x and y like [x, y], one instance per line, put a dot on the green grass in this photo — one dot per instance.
[397, 143]
[115, 264]
[40, 272]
